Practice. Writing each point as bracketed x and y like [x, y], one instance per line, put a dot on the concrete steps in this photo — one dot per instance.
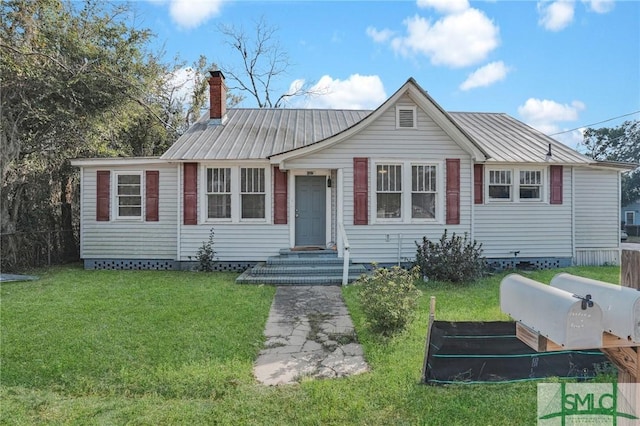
[311, 267]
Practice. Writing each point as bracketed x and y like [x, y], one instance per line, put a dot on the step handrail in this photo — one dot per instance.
[346, 253]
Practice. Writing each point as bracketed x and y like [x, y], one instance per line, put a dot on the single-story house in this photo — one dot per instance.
[374, 182]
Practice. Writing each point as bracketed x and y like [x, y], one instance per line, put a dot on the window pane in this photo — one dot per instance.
[218, 180]
[530, 192]
[389, 205]
[128, 179]
[501, 192]
[219, 206]
[251, 180]
[130, 201]
[129, 211]
[252, 206]
[128, 189]
[423, 205]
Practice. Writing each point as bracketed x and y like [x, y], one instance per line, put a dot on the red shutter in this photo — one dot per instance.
[103, 186]
[279, 196]
[453, 191]
[360, 191]
[556, 184]
[152, 189]
[478, 183]
[190, 189]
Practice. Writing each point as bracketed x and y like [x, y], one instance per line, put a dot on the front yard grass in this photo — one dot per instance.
[125, 347]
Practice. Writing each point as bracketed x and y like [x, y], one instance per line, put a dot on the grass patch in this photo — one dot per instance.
[119, 347]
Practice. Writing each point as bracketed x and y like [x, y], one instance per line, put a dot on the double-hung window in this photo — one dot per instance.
[423, 191]
[129, 195]
[531, 185]
[389, 191]
[500, 185]
[219, 193]
[252, 193]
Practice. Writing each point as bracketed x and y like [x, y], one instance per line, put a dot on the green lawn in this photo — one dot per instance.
[125, 347]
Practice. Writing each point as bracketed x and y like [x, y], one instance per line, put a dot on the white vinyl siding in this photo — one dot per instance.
[533, 229]
[383, 143]
[597, 208]
[130, 239]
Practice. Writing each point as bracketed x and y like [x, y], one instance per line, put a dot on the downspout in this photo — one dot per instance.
[573, 217]
[178, 214]
[472, 231]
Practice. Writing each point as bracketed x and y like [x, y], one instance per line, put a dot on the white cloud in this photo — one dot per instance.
[545, 115]
[485, 76]
[557, 15]
[356, 92]
[445, 6]
[379, 36]
[191, 13]
[456, 40]
[182, 83]
[600, 6]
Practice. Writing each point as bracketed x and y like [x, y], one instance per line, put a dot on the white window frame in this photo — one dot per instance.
[633, 215]
[435, 192]
[515, 184]
[400, 192]
[263, 193]
[406, 207]
[205, 189]
[405, 108]
[512, 186]
[540, 185]
[116, 197]
[236, 206]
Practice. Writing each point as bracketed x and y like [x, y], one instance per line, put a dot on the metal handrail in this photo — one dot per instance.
[346, 254]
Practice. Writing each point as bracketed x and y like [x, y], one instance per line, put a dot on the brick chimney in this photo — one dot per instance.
[217, 97]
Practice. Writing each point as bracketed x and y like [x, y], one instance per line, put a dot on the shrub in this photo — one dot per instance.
[206, 255]
[389, 298]
[455, 259]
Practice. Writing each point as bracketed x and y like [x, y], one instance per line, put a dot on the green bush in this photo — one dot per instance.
[206, 255]
[389, 298]
[455, 259]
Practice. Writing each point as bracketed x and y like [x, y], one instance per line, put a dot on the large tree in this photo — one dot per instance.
[77, 81]
[621, 143]
[262, 63]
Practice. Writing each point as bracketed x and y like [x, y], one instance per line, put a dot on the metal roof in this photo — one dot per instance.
[508, 140]
[258, 133]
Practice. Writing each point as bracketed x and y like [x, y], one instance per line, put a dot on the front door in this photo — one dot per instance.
[310, 211]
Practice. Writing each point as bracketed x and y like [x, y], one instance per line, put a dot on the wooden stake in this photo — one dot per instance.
[432, 318]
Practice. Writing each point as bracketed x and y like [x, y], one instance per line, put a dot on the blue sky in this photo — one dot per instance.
[556, 65]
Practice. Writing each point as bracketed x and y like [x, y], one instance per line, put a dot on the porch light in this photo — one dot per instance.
[329, 182]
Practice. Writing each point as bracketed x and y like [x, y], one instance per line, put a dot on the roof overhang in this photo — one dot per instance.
[619, 165]
[116, 161]
[422, 99]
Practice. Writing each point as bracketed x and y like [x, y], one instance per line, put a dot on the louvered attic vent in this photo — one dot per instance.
[406, 117]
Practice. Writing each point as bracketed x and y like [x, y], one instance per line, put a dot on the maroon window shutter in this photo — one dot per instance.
[453, 191]
[478, 183]
[360, 191]
[103, 197]
[556, 185]
[152, 190]
[279, 196]
[190, 199]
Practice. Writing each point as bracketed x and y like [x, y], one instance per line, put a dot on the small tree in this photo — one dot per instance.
[389, 298]
[455, 259]
[206, 255]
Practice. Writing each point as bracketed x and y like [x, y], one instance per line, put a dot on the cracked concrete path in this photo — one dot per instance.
[309, 333]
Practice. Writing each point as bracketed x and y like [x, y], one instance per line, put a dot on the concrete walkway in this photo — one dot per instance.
[309, 334]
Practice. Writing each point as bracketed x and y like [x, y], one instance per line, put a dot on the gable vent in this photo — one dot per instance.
[406, 118]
